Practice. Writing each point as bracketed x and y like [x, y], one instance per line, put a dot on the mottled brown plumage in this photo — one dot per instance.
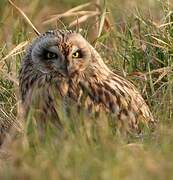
[81, 75]
[106, 91]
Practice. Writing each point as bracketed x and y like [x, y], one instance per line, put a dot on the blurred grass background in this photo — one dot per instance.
[136, 42]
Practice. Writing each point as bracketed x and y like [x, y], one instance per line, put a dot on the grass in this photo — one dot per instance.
[135, 42]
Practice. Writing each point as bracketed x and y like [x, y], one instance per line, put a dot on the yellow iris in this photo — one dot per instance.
[76, 55]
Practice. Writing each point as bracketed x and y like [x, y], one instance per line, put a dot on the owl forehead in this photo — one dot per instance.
[70, 41]
[66, 40]
[65, 48]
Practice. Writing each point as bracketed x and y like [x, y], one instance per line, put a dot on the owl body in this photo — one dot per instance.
[66, 61]
[112, 94]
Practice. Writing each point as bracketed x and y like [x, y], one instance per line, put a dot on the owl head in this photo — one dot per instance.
[62, 51]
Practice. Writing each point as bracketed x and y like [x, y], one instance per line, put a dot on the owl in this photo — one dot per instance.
[67, 61]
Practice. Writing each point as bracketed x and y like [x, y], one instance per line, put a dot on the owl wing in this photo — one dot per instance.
[117, 96]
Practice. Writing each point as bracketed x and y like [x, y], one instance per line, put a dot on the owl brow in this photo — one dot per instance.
[81, 49]
[78, 50]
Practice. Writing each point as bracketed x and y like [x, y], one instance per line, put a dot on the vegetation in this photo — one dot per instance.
[135, 38]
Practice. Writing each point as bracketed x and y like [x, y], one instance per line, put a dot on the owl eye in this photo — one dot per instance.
[50, 55]
[77, 54]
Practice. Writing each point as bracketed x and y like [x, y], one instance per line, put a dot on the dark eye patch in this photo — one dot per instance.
[49, 55]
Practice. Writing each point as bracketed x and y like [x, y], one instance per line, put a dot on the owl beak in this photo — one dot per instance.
[70, 70]
[64, 71]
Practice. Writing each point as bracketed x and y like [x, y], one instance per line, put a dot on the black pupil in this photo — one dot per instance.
[78, 54]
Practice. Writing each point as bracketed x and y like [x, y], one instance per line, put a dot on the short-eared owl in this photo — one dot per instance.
[66, 59]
